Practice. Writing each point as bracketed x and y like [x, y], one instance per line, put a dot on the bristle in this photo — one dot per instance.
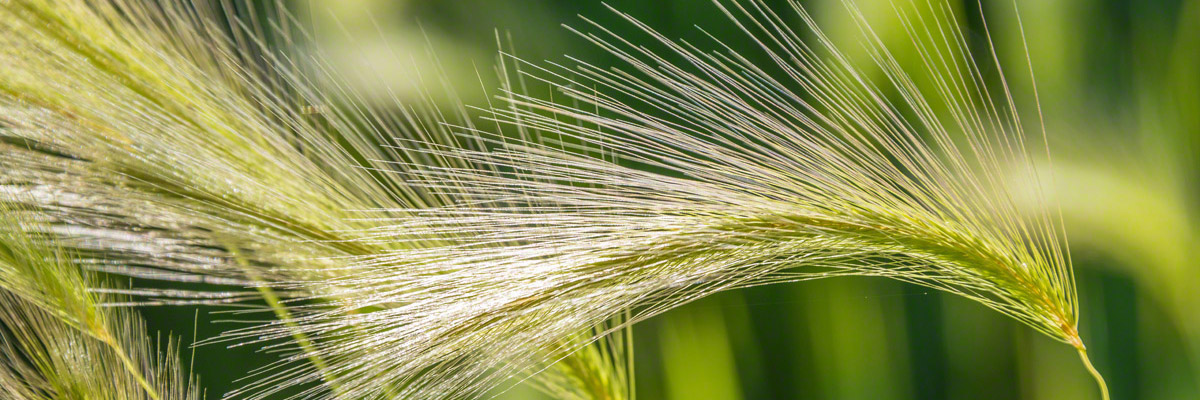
[58, 342]
[414, 255]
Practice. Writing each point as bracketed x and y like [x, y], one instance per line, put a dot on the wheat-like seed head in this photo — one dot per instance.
[58, 342]
[438, 266]
[729, 173]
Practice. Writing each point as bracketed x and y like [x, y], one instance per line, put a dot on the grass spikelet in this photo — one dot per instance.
[729, 173]
[598, 366]
[158, 118]
[57, 342]
[151, 136]
[406, 262]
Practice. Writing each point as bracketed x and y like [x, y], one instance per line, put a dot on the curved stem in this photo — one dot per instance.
[1095, 374]
[130, 366]
[282, 313]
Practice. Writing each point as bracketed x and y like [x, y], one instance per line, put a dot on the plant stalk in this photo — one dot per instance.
[281, 312]
[129, 365]
[1095, 374]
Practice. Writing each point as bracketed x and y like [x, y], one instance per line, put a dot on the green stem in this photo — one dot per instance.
[129, 365]
[629, 371]
[1095, 374]
[282, 313]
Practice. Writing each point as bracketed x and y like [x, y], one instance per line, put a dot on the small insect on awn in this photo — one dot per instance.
[313, 109]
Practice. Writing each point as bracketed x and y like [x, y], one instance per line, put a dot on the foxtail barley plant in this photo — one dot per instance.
[418, 253]
[57, 342]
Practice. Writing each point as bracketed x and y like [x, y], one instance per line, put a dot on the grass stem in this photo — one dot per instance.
[1095, 374]
[129, 365]
[281, 312]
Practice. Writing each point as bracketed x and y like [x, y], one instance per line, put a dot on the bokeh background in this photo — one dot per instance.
[1119, 82]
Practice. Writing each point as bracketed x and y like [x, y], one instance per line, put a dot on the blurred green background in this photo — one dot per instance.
[1119, 82]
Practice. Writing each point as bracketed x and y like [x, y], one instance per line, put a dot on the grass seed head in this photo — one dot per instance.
[438, 258]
